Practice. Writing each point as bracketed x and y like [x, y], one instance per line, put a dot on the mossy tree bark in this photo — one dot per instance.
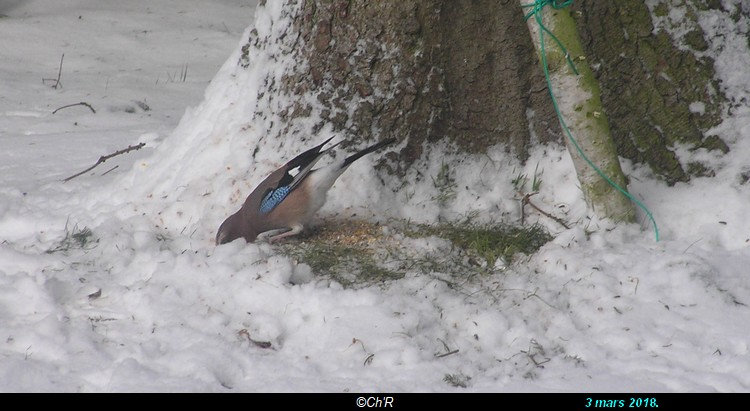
[466, 72]
[649, 85]
[581, 108]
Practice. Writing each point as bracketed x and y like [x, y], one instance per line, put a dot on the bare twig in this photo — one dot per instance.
[537, 350]
[260, 344]
[538, 363]
[447, 354]
[447, 349]
[59, 74]
[105, 158]
[83, 103]
[59, 71]
[526, 200]
[691, 244]
[636, 281]
[534, 294]
[111, 169]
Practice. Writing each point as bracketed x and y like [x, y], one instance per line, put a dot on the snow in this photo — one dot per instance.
[148, 303]
[698, 107]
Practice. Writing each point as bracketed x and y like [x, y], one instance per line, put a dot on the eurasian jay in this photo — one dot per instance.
[286, 200]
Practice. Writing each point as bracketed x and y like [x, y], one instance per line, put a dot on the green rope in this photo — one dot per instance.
[536, 12]
[537, 7]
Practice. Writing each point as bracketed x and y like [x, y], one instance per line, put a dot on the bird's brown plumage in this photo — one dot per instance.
[305, 196]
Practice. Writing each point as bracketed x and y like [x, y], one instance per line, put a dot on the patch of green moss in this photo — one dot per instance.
[709, 5]
[696, 40]
[661, 10]
[711, 143]
[648, 83]
[357, 254]
[348, 265]
[490, 241]
[699, 169]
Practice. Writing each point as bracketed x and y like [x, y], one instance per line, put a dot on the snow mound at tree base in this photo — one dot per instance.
[134, 296]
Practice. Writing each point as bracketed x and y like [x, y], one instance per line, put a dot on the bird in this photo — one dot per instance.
[288, 200]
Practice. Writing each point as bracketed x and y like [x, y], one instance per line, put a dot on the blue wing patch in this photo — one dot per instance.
[273, 198]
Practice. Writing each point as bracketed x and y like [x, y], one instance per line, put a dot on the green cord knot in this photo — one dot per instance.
[537, 7]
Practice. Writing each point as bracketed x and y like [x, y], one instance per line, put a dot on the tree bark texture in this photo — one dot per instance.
[465, 71]
[648, 85]
[584, 115]
[423, 71]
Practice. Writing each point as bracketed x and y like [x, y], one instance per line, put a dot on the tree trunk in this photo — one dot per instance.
[649, 85]
[425, 71]
[466, 72]
[582, 111]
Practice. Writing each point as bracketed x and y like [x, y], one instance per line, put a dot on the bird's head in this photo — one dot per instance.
[233, 228]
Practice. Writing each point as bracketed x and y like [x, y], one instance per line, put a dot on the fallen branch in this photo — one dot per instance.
[83, 103]
[105, 158]
[526, 200]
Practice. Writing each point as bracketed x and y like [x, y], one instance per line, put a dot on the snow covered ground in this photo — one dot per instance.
[111, 282]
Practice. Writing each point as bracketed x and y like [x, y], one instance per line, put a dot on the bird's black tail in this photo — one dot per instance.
[356, 156]
[309, 156]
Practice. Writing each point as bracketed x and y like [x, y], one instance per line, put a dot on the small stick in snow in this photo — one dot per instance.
[534, 294]
[447, 354]
[105, 158]
[111, 169]
[357, 340]
[449, 351]
[259, 344]
[636, 281]
[83, 103]
[59, 74]
[538, 350]
[370, 355]
[538, 363]
[526, 200]
[691, 244]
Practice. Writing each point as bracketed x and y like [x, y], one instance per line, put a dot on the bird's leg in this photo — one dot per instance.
[296, 229]
[268, 234]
